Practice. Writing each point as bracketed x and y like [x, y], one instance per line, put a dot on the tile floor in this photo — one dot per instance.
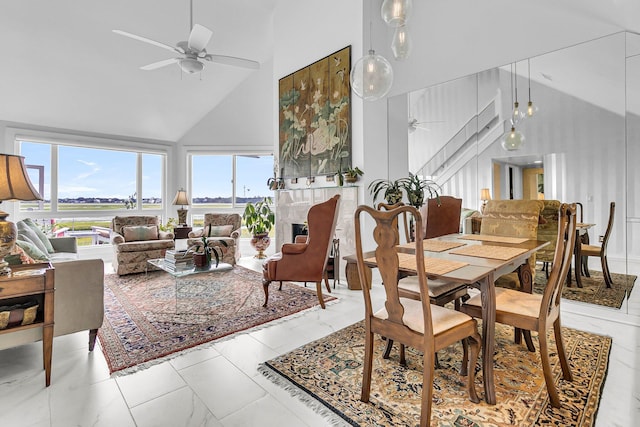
[219, 385]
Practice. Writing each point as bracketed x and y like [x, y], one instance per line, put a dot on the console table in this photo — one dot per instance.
[32, 282]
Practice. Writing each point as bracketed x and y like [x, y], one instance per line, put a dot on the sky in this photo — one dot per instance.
[90, 172]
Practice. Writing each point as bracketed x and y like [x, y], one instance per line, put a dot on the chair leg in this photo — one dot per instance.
[546, 369]
[265, 287]
[280, 287]
[326, 281]
[387, 350]
[427, 389]
[366, 369]
[319, 292]
[474, 342]
[93, 333]
[464, 371]
[527, 339]
[562, 354]
[585, 266]
[403, 359]
[605, 271]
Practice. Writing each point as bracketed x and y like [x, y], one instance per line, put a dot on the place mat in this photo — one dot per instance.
[497, 239]
[434, 266]
[434, 245]
[487, 251]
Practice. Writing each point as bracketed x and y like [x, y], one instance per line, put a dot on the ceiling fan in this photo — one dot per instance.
[414, 124]
[192, 51]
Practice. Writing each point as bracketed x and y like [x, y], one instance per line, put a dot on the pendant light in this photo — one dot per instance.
[401, 44]
[514, 139]
[395, 13]
[516, 114]
[531, 109]
[371, 76]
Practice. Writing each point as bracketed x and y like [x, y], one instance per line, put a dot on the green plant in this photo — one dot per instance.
[392, 191]
[169, 225]
[416, 188]
[353, 173]
[258, 217]
[204, 248]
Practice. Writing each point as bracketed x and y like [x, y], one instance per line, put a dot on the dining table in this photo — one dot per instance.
[476, 260]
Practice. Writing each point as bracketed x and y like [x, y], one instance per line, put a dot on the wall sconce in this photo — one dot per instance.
[181, 199]
[485, 196]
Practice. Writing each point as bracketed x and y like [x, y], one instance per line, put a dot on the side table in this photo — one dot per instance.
[32, 282]
[181, 232]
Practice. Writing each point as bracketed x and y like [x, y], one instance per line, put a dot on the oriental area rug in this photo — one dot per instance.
[594, 290]
[327, 376]
[149, 316]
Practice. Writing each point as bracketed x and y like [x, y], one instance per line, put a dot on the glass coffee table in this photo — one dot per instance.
[160, 263]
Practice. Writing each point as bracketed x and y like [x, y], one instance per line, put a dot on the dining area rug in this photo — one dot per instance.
[594, 290]
[327, 375]
[150, 316]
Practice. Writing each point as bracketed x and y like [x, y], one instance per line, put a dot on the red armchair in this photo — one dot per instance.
[305, 262]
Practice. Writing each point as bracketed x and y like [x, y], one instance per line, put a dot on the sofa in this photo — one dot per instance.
[135, 240]
[225, 227]
[79, 290]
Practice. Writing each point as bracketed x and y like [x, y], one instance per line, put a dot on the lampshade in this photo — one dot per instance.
[181, 198]
[401, 44]
[14, 180]
[513, 140]
[371, 77]
[396, 12]
[485, 194]
[14, 185]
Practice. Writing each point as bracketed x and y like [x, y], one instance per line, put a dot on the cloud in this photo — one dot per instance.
[94, 169]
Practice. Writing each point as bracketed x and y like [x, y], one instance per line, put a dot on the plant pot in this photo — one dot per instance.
[260, 243]
[350, 179]
[200, 261]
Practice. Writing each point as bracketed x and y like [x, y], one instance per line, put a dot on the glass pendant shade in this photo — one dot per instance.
[517, 114]
[513, 140]
[531, 109]
[371, 77]
[401, 44]
[396, 12]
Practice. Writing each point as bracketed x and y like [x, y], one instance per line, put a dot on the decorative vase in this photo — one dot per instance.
[201, 260]
[260, 243]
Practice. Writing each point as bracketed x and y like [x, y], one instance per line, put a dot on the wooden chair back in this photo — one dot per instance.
[441, 216]
[405, 221]
[607, 233]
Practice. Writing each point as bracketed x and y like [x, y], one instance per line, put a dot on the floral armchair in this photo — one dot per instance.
[220, 227]
[135, 240]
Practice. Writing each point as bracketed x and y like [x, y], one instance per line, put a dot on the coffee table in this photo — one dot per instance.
[160, 263]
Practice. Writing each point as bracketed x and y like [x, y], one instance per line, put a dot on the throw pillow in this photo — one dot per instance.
[27, 234]
[140, 232]
[32, 250]
[43, 237]
[19, 256]
[218, 230]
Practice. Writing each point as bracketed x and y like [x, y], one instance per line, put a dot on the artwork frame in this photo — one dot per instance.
[314, 108]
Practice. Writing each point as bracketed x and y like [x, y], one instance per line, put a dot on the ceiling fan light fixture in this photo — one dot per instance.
[190, 65]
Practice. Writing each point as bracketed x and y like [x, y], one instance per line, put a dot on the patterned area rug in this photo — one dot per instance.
[327, 375]
[154, 315]
[594, 290]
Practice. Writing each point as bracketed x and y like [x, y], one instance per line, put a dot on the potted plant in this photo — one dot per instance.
[204, 252]
[259, 220]
[351, 174]
[416, 188]
[392, 191]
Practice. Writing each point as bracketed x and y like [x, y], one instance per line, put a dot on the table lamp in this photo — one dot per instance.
[14, 185]
[181, 199]
[484, 196]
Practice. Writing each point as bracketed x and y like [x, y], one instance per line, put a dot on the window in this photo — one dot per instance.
[213, 178]
[85, 187]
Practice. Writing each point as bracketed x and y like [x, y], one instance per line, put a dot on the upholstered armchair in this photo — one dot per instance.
[305, 262]
[220, 227]
[135, 240]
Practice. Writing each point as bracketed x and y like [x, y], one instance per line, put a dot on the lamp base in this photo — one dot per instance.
[182, 216]
[8, 234]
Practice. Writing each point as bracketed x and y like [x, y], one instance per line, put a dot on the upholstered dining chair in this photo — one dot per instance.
[512, 218]
[535, 312]
[600, 251]
[305, 261]
[548, 231]
[441, 216]
[416, 323]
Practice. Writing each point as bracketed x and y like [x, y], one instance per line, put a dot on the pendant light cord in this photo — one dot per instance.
[529, 72]
[515, 78]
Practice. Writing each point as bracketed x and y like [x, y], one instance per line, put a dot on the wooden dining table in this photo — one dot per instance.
[478, 267]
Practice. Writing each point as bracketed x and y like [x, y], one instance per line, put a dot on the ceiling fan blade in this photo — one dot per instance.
[232, 60]
[159, 64]
[199, 37]
[146, 40]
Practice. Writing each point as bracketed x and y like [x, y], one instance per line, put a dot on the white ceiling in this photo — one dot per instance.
[62, 66]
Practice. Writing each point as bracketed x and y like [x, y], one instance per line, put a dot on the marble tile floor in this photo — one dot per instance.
[218, 385]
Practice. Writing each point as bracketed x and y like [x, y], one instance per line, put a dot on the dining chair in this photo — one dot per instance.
[535, 312]
[416, 323]
[441, 292]
[600, 251]
[583, 238]
[548, 231]
[405, 221]
[441, 216]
